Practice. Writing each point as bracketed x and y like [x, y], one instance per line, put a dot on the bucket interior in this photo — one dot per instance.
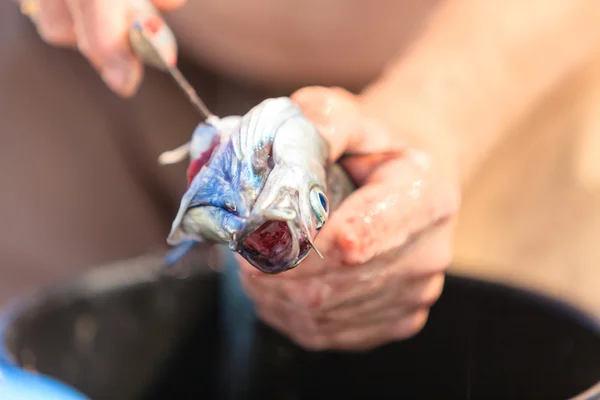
[164, 338]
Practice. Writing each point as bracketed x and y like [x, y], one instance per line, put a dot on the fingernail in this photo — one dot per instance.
[120, 77]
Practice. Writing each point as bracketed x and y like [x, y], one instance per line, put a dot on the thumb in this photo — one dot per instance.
[102, 29]
[340, 119]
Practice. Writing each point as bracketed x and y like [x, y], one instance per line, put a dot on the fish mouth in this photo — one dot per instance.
[274, 247]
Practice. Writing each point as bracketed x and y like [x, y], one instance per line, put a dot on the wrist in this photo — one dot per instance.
[469, 78]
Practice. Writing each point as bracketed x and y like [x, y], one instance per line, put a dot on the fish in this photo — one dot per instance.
[260, 183]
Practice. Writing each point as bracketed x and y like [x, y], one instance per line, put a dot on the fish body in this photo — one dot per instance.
[261, 183]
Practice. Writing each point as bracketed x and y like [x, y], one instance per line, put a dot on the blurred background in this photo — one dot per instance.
[532, 215]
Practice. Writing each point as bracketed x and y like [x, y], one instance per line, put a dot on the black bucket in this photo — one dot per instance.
[131, 332]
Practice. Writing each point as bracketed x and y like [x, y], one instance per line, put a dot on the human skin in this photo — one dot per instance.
[475, 68]
[451, 96]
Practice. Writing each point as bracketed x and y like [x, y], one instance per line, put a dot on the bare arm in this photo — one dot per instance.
[478, 66]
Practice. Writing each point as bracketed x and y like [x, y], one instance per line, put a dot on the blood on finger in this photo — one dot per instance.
[153, 24]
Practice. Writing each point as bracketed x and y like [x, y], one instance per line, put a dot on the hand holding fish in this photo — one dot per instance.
[100, 31]
[386, 248]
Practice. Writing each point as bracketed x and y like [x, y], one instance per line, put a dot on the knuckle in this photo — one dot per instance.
[307, 293]
[84, 47]
[56, 36]
[98, 45]
[356, 241]
[442, 258]
[357, 341]
[431, 293]
[309, 341]
[312, 92]
[437, 261]
[260, 295]
[319, 292]
[429, 259]
[410, 326]
[340, 91]
[296, 292]
[266, 298]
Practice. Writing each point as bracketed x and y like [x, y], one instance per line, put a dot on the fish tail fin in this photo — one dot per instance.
[179, 252]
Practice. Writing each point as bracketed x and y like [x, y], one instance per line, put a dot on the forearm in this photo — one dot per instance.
[478, 66]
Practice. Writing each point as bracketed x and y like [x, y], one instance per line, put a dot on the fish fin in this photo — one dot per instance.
[202, 140]
[174, 156]
[203, 137]
[178, 252]
[176, 235]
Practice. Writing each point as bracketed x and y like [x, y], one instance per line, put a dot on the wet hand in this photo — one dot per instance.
[99, 29]
[385, 249]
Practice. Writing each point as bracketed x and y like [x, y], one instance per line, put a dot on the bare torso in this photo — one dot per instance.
[285, 43]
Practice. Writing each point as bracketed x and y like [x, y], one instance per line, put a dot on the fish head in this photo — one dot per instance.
[263, 191]
[217, 203]
[288, 214]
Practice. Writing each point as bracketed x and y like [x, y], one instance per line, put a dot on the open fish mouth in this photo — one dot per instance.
[273, 248]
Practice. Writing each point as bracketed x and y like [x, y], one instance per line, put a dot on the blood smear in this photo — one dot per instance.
[270, 239]
[153, 24]
[197, 164]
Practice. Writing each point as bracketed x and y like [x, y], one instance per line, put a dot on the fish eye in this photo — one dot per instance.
[319, 204]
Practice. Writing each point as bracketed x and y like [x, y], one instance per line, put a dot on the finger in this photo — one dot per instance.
[384, 316]
[385, 306]
[102, 36]
[317, 285]
[260, 293]
[399, 300]
[421, 293]
[432, 253]
[306, 324]
[338, 117]
[349, 292]
[54, 23]
[156, 31]
[168, 5]
[373, 220]
[358, 338]
[311, 340]
[372, 336]
[399, 201]
[320, 292]
[360, 167]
